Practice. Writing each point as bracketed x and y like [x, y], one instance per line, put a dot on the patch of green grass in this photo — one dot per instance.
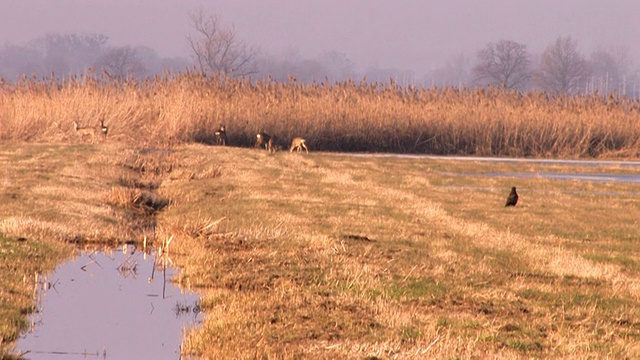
[410, 334]
[626, 262]
[21, 260]
[411, 289]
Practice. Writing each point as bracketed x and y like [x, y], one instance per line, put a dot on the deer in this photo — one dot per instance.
[221, 135]
[264, 139]
[299, 144]
[83, 131]
[103, 128]
[91, 131]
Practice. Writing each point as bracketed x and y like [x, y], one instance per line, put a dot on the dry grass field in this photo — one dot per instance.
[185, 108]
[333, 256]
[328, 255]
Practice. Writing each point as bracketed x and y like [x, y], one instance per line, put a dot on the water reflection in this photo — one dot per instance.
[568, 162]
[621, 178]
[575, 192]
[110, 305]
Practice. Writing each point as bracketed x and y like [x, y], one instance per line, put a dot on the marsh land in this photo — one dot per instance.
[326, 254]
[330, 255]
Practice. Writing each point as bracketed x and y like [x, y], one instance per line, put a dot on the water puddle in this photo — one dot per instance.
[599, 177]
[590, 163]
[620, 178]
[574, 192]
[110, 305]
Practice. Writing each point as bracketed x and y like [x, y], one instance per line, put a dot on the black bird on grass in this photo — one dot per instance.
[512, 200]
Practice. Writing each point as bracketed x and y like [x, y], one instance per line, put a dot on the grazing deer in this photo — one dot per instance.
[83, 131]
[221, 135]
[299, 143]
[512, 199]
[263, 139]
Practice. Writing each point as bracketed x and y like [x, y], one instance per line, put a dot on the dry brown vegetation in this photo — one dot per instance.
[336, 257]
[344, 117]
[331, 256]
[328, 255]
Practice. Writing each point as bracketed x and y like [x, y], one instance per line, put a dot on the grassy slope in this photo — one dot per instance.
[52, 195]
[332, 256]
[329, 256]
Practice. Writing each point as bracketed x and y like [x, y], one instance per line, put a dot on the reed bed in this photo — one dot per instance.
[346, 116]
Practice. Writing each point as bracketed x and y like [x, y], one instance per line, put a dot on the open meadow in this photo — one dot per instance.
[329, 255]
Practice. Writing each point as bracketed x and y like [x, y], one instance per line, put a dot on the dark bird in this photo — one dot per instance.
[512, 200]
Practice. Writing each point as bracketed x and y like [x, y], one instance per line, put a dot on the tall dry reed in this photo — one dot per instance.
[345, 116]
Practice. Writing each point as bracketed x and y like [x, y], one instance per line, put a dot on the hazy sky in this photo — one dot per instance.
[406, 34]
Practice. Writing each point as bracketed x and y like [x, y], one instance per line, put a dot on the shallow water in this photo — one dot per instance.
[621, 178]
[600, 177]
[114, 305]
[592, 163]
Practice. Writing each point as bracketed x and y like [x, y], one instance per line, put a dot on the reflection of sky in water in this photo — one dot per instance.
[103, 305]
[621, 178]
[592, 163]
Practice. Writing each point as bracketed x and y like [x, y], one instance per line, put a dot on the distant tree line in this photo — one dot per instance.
[215, 48]
[560, 69]
[63, 54]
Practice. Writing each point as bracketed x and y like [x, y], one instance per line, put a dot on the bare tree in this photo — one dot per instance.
[562, 68]
[63, 53]
[121, 62]
[19, 60]
[505, 64]
[454, 73]
[337, 66]
[609, 68]
[216, 48]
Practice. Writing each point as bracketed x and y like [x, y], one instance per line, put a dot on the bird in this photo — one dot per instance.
[512, 200]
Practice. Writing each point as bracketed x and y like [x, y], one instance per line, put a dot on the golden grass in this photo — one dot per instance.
[344, 116]
[338, 257]
[57, 192]
[22, 261]
[331, 256]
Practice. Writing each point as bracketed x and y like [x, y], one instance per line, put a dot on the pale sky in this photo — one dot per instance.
[403, 34]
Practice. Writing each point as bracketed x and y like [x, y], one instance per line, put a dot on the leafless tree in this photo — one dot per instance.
[216, 48]
[504, 64]
[454, 73]
[337, 66]
[609, 68]
[64, 53]
[121, 62]
[562, 68]
[19, 60]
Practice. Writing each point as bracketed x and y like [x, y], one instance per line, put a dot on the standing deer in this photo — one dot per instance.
[103, 128]
[264, 139]
[299, 143]
[221, 135]
[83, 131]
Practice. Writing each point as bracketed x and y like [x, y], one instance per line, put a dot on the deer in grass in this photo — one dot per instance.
[91, 131]
[103, 128]
[221, 135]
[84, 131]
[264, 139]
[299, 144]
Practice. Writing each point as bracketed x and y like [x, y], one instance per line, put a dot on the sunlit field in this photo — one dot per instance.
[327, 255]
[185, 108]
